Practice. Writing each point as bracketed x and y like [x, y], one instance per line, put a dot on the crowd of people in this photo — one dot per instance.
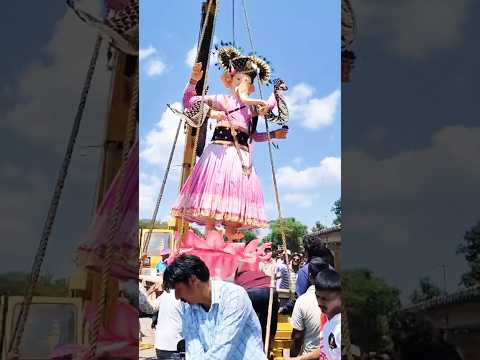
[198, 317]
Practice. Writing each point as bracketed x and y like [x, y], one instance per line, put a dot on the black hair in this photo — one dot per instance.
[328, 280]
[182, 269]
[316, 248]
[316, 265]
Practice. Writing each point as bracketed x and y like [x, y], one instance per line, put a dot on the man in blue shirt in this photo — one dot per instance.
[219, 321]
[313, 248]
[162, 264]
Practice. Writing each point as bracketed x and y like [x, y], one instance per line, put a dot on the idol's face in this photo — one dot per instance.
[241, 79]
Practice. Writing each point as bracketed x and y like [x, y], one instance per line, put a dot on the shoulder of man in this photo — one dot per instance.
[231, 293]
[333, 334]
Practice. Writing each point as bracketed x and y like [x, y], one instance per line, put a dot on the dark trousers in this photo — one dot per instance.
[259, 298]
[169, 355]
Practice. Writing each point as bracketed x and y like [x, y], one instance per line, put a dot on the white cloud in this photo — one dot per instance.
[148, 191]
[146, 53]
[328, 172]
[414, 28]
[37, 114]
[158, 141]
[419, 199]
[297, 160]
[192, 54]
[313, 113]
[155, 67]
[304, 200]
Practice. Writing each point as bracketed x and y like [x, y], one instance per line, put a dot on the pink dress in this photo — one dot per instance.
[217, 189]
[90, 253]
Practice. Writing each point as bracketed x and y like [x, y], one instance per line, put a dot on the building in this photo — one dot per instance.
[458, 316]
[332, 239]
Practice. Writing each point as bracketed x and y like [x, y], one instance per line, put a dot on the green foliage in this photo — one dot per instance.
[249, 236]
[146, 223]
[337, 210]
[369, 302]
[427, 290]
[294, 233]
[317, 227]
[470, 247]
[197, 231]
[14, 283]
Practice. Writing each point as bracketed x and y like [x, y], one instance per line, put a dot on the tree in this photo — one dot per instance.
[146, 223]
[249, 236]
[317, 227]
[13, 284]
[427, 290]
[337, 210]
[369, 302]
[470, 247]
[294, 233]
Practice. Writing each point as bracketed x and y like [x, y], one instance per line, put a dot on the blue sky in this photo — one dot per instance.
[304, 51]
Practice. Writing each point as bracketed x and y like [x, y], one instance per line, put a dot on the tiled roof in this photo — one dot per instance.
[325, 231]
[459, 297]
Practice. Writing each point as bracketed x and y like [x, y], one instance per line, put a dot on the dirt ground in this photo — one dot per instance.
[147, 336]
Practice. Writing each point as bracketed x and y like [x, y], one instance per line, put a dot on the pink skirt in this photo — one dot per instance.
[217, 190]
[91, 251]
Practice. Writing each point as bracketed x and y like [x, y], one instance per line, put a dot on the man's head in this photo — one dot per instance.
[296, 259]
[314, 267]
[165, 254]
[328, 289]
[187, 275]
[315, 248]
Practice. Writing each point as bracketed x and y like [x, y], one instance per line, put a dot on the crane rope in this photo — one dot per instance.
[54, 203]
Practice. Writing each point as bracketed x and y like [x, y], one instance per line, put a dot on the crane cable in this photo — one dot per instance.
[114, 225]
[52, 211]
[202, 109]
[196, 136]
[277, 197]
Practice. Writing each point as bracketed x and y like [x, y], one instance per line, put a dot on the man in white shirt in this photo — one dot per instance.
[328, 288]
[306, 316]
[168, 331]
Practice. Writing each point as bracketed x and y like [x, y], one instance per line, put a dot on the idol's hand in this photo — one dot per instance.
[197, 72]
[280, 134]
[262, 109]
[217, 115]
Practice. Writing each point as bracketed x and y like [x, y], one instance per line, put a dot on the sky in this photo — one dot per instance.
[304, 51]
[411, 140]
[40, 87]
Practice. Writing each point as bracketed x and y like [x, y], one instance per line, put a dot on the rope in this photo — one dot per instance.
[162, 189]
[233, 23]
[344, 319]
[275, 186]
[197, 132]
[107, 265]
[269, 315]
[52, 211]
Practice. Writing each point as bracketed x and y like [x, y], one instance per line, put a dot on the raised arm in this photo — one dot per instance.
[144, 303]
[276, 134]
[190, 95]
